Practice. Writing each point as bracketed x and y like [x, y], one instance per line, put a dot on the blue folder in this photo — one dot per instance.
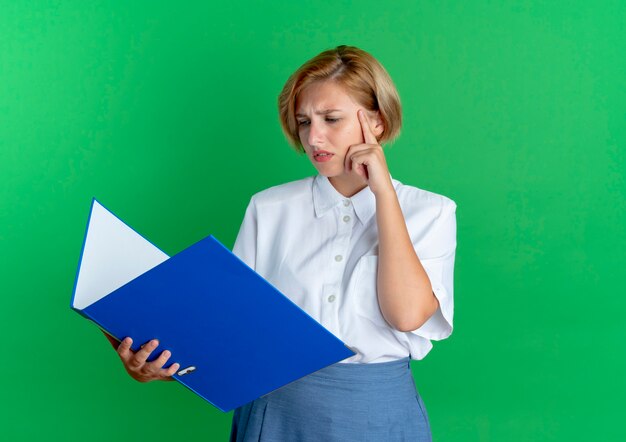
[234, 334]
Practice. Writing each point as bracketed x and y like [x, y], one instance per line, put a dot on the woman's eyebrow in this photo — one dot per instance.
[321, 112]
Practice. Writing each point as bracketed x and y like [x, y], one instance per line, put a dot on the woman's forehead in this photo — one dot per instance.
[322, 97]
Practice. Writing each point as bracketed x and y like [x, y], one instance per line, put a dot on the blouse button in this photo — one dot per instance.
[331, 298]
[338, 258]
[346, 218]
[346, 203]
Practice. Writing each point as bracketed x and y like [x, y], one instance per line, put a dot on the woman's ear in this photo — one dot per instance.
[378, 125]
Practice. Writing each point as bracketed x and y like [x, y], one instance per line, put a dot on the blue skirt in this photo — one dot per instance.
[343, 402]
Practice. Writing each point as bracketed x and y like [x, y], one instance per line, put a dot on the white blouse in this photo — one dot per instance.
[320, 249]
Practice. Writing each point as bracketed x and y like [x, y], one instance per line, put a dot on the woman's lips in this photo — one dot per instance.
[322, 156]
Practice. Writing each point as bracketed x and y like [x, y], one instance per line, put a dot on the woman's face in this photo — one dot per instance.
[328, 123]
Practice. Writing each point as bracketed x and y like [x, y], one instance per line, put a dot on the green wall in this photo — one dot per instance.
[166, 112]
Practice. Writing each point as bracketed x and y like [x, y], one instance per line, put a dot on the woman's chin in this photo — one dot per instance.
[328, 170]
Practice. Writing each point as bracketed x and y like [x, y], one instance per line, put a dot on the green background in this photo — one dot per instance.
[166, 112]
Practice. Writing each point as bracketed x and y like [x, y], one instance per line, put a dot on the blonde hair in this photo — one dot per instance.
[363, 77]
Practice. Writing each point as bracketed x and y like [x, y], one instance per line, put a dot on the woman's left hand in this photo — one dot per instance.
[368, 160]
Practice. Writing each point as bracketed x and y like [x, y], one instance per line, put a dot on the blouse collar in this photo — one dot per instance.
[325, 197]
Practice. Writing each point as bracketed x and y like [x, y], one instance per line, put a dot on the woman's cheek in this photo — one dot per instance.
[351, 133]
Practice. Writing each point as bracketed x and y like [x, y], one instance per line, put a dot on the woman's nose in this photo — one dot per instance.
[316, 134]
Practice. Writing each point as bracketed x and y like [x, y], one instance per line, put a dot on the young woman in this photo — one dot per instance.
[368, 257]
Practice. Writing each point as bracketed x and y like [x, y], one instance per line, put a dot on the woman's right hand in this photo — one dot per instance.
[139, 369]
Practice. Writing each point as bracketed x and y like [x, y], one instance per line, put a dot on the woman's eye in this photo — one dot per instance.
[307, 122]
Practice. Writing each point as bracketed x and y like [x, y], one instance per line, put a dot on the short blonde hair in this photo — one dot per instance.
[364, 78]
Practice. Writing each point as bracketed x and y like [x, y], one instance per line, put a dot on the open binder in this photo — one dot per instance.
[234, 334]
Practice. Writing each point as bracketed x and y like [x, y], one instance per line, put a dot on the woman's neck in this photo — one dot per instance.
[348, 185]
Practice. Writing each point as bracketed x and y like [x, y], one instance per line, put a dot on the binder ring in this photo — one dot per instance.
[187, 370]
